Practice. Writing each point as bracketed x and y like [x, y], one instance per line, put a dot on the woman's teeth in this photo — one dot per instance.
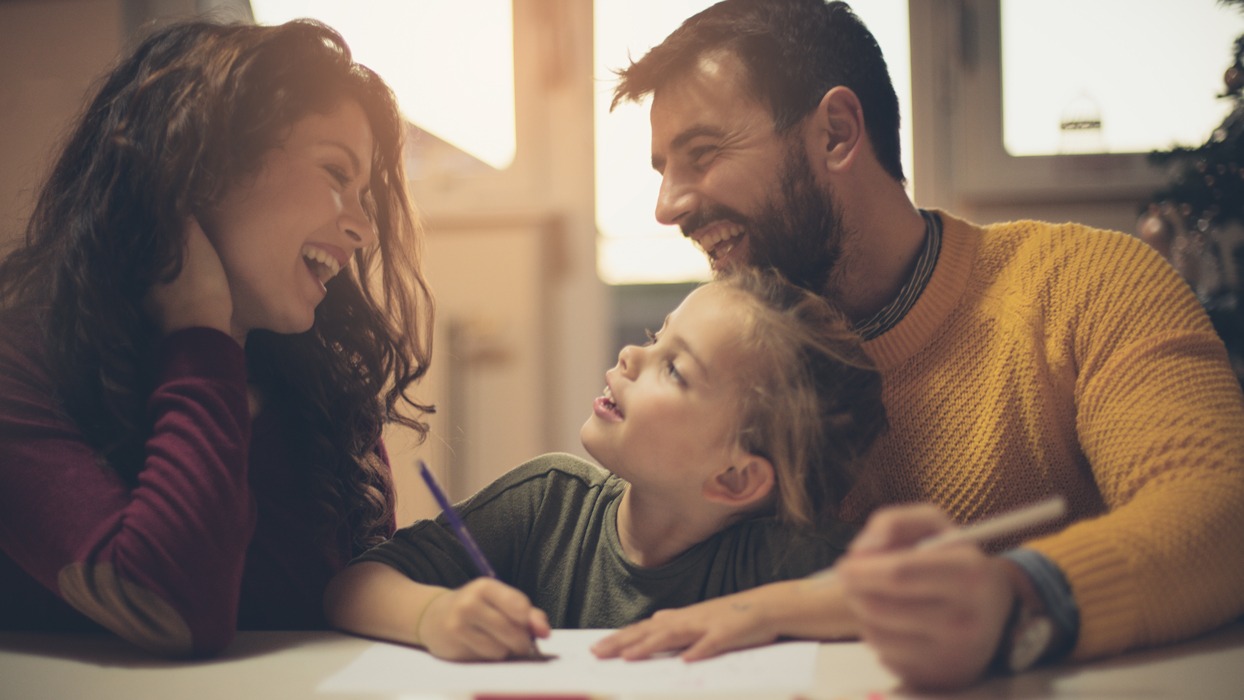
[321, 263]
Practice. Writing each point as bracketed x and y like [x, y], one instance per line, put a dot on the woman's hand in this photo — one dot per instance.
[483, 620]
[934, 616]
[199, 295]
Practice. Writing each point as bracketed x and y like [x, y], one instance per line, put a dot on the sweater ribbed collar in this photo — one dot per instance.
[910, 334]
[888, 317]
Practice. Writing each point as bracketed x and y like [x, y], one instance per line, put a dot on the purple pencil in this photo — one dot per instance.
[455, 522]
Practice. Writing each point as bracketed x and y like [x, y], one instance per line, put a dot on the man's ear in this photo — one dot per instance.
[837, 129]
[747, 482]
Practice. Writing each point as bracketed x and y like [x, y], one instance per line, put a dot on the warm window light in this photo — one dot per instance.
[633, 248]
[451, 64]
[1126, 76]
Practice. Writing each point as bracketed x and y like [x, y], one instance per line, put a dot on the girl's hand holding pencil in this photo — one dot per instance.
[483, 620]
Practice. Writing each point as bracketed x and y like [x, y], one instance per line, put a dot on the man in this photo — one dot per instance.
[1020, 360]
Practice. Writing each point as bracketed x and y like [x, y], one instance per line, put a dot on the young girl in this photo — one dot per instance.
[729, 439]
[194, 369]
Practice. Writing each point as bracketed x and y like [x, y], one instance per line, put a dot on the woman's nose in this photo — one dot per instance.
[356, 224]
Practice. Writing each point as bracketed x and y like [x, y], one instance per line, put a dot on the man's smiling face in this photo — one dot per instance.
[719, 158]
[745, 194]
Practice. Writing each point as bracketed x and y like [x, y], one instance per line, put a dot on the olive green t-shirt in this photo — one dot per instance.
[549, 528]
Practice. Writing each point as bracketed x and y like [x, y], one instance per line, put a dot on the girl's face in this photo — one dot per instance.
[670, 411]
[285, 232]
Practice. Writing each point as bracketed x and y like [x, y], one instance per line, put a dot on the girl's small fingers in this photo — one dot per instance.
[513, 636]
[659, 641]
[613, 644]
[484, 646]
[509, 601]
[708, 647]
[538, 622]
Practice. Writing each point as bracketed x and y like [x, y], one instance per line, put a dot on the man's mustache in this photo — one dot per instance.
[702, 217]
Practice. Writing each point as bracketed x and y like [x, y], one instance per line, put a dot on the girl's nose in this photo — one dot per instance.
[629, 360]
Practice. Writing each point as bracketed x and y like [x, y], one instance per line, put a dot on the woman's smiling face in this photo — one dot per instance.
[283, 232]
[670, 410]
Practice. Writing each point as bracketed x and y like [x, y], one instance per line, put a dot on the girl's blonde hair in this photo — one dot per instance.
[811, 402]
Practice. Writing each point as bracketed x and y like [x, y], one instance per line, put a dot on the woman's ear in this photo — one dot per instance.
[837, 129]
[748, 481]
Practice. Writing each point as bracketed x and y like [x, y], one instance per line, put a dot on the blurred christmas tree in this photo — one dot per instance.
[1197, 222]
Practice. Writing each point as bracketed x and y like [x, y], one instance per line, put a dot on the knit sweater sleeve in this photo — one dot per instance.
[1160, 417]
[160, 564]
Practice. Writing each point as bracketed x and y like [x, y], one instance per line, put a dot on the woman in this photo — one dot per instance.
[216, 309]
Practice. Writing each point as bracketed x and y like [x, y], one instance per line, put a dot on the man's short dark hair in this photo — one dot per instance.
[794, 51]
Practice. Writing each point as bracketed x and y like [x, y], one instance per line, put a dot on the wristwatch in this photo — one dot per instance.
[1026, 640]
[1030, 632]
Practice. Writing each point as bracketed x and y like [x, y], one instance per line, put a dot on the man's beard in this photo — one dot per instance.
[799, 231]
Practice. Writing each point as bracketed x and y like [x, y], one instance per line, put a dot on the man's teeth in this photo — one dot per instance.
[328, 266]
[723, 233]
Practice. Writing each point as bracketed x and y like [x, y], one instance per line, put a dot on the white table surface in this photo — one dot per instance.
[276, 665]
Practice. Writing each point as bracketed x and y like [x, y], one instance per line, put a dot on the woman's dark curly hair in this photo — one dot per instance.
[191, 112]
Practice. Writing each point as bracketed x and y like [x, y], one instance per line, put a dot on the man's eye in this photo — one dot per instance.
[702, 155]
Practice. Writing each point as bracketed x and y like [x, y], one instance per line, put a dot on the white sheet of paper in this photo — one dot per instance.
[788, 666]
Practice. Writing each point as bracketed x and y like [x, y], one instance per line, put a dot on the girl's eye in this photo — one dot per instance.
[652, 337]
[669, 366]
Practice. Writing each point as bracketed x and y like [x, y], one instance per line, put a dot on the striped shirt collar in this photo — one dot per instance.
[888, 317]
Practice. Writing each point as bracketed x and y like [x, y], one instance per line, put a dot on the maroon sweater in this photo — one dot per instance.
[212, 539]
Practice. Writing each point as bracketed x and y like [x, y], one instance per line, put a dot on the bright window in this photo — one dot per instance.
[1113, 76]
[451, 64]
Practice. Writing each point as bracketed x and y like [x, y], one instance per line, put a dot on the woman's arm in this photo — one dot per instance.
[160, 562]
[483, 620]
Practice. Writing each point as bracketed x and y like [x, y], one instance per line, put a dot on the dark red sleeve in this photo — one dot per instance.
[175, 543]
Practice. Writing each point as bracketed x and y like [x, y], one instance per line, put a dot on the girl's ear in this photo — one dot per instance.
[744, 484]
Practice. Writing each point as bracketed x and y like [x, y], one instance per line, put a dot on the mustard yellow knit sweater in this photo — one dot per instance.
[1046, 359]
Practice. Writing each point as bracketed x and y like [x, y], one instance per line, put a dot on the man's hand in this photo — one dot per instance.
[199, 295]
[934, 616]
[483, 620]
